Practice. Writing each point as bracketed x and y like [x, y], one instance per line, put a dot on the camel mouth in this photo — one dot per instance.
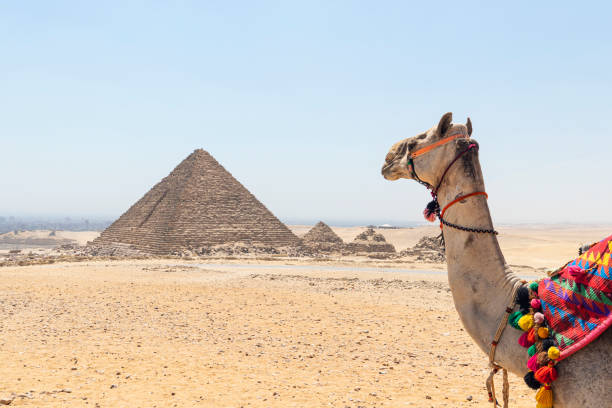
[385, 171]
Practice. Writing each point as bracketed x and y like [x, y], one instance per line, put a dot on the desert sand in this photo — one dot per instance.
[253, 333]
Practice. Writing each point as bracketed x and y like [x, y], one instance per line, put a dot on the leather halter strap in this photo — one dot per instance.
[456, 200]
[439, 143]
[433, 208]
[426, 149]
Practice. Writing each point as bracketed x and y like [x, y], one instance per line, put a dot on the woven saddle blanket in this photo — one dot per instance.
[577, 301]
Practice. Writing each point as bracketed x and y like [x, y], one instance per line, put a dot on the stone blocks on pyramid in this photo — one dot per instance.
[322, 238]
[198, 205]
[370, 241]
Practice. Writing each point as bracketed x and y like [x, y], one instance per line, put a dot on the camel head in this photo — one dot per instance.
[427, 166]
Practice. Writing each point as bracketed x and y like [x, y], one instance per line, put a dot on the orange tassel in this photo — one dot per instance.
[544, 397]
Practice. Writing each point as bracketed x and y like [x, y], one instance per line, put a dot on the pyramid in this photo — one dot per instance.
[199, 204]
[370, 241]
[322, 233]
[428, 249]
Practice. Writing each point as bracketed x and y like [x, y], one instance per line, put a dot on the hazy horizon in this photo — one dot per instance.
[97, 220]
[301, 102]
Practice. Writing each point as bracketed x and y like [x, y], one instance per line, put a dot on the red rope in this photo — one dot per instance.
[456, 200]
[439, 143]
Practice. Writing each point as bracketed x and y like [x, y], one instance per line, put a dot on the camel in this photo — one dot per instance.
[479, 278]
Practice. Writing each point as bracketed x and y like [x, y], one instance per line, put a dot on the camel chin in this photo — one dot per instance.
[391, 176]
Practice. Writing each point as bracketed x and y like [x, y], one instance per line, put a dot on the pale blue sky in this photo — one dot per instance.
[301, 101]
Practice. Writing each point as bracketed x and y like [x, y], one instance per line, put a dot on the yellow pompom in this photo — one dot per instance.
[543, 332]
[553, 353]
[526, 322]
[544, 397]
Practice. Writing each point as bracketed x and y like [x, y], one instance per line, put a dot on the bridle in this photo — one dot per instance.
[433, 207]
[431, 212]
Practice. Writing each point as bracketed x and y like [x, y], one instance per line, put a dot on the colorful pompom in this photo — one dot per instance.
[546, 374]
[543, 359]
[538, 318]
[532, 363]
[577, 274]
[531, 336]
[526, 322]
[537, 336]
[547, 343]
[514, 318]
[524, 340]
[431, 211]
[531, 381]
[574, 270]
[429, 216]
[532, 350]
[554, 353]
[522, 297]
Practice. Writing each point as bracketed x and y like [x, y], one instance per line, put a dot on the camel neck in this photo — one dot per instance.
[479, 278]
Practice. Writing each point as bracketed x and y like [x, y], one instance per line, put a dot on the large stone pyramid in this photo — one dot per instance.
[199, 204]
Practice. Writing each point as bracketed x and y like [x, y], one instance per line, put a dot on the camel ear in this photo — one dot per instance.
[445, 123]
[468, 125]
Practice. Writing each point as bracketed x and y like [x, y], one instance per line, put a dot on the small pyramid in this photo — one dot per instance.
[321, 232]
[199, 204]
[428, 249]
[370, 241]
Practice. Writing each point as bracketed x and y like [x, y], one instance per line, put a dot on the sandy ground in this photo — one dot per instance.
[251, 333]
[144, 334]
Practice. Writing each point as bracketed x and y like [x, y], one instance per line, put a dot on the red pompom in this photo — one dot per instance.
[546, 374]
[531, 336]
[576, 273]
[524, 339]
[429, 216]
[532, 363]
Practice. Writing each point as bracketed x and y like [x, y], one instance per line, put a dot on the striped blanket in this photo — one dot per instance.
[577, 301]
